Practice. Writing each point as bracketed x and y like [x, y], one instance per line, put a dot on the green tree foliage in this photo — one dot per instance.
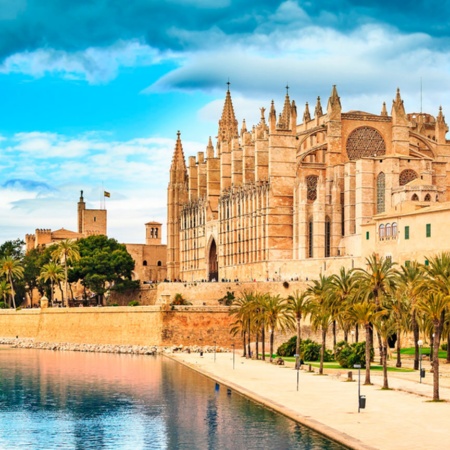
[349, 355]
[103, 263]
[14, 249]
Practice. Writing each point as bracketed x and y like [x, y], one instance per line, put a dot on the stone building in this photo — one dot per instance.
[292, 196]
[149, 258]
[90, 222]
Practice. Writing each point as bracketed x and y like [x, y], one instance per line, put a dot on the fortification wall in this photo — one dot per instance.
[146, 325]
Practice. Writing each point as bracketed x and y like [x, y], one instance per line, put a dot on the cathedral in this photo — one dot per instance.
[294, 196]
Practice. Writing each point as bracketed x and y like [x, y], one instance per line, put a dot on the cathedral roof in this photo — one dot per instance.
[228, 125]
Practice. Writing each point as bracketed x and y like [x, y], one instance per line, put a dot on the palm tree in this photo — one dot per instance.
[410, 280]
[320, 310]
[342, 288]
[363, 313]
[241, 308]
[277, 317]
[434, 305]
[375, 283]
[52, 272]
[11, 268]
[66, 251]
[5, 290]
[297, 305]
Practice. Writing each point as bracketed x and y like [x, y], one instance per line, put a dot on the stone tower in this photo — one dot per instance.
[177, 195]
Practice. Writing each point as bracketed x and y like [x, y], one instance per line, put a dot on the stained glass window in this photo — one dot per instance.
[365, 142]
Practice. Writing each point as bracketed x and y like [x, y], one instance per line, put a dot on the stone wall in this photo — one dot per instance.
[144, 325]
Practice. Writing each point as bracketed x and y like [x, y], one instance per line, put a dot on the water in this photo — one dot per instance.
[68, 400]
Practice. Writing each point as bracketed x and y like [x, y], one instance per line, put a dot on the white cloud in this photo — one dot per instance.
[94, 64]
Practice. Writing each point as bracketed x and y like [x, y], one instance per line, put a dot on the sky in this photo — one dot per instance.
[93, 92]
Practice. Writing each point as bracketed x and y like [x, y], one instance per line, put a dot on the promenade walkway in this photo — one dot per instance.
[401, 418]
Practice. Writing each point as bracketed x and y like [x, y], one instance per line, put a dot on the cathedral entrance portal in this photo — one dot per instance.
[213, 265]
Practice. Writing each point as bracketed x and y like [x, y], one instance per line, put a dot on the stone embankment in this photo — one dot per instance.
[102, 348]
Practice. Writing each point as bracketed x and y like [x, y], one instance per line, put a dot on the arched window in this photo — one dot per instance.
[159, 264]
[311, 186]
[327, 237]
[144, 263]
[394, 229]
[381, 231]
[388, 230]
[381, 192]
[406, 176]
[428, 198]
[365, 142]
[310, 238]
[415, 198]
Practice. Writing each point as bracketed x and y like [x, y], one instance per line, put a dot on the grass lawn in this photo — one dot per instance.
[335, 365]
[425, 351]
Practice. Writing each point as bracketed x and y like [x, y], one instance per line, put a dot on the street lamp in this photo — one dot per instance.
[421, 371]
[361, 398]
[233, 355]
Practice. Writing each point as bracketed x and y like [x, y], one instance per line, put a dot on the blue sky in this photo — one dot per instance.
[94, 91]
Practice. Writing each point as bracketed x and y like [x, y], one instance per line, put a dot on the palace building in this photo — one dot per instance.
[294, 196]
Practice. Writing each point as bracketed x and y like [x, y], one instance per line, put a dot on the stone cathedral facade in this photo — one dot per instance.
[292, 195]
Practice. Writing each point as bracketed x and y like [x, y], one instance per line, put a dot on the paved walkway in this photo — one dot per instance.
[401, 418]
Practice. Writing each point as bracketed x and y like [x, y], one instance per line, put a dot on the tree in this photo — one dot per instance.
[5, 290]
[373, 285]
[241, 309]
[277, 317]
[103, 264]
[297, 305]
[66, 252]
[320, 310]
[11, 269]
[410, 280]
[52, 272]
[12, 248]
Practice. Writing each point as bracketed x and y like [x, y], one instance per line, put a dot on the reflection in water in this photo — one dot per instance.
[58, 400]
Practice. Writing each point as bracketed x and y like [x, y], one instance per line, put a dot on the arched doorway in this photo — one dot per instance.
[213, 266]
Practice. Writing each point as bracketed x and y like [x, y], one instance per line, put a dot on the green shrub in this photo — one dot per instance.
[349, 355]
[287, 348]
[133, 303]
[444, 346]
[179, 300]
[3, 305]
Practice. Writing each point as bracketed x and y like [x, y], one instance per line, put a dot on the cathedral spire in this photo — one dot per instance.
[285, 119]
[398, 110]
[228, 125]
[210, 149]
[334, 104]
[272, 117]
[178, 167]
[244, 127]
[318, 109]
[441, 127]
[384, 110]
[306, 114]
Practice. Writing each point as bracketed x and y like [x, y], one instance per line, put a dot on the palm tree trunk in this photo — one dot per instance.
[249, 350]
[257, 343]
[415, 328]
[436, 361]
[322, 350]
[297, 343]
[448, 347]
[13, 294]
[380, 348]
[385, 374]
[271, 344]
[368, 348]
[65, 280]
[356, 333]
[431, 346]
[399, 347]
[244, 337]
[334, 334]
[263, 340]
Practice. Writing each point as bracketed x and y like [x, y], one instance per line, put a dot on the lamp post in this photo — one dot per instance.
[420, 343]
[297, 365]
[233, 355]
[361, 399]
